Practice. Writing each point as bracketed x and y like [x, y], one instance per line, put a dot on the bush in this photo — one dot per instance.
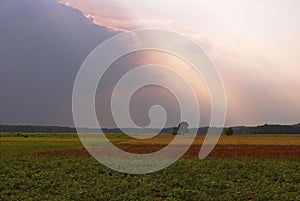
[228, 131]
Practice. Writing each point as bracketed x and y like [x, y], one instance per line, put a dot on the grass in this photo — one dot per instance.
[27, 176]
[17, 143]
[227, 140]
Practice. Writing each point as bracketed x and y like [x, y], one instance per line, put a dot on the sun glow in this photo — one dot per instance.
[254, 43]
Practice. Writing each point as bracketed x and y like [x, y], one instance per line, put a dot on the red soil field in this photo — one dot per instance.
[289, 152]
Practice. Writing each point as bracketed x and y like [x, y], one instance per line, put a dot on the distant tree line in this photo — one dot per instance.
[36, 129]
[264, 129]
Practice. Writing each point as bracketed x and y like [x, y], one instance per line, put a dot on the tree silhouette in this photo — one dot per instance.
[228, 131]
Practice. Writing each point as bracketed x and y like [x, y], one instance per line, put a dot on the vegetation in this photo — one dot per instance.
[263, 129]
[33, 168]
[228, 131]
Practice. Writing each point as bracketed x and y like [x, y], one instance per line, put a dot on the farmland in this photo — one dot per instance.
[57, 167]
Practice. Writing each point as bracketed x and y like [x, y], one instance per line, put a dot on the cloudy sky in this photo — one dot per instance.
[255, 45]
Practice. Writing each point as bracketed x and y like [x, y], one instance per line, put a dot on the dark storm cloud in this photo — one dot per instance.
[42, 45]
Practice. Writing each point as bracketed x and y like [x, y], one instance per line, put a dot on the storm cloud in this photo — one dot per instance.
[43, 44]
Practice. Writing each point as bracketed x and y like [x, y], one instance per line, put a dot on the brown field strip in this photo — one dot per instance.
[220, 151]
[281, 147]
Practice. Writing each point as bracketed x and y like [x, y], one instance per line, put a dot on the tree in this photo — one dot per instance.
[228, 131]
[181, 129]
[175, 131]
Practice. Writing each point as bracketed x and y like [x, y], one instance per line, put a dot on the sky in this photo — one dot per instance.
[255, 45]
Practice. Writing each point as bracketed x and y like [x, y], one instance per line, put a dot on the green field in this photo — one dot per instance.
[30, 169]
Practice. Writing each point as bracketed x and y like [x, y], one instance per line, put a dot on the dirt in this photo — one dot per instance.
[290, 152]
